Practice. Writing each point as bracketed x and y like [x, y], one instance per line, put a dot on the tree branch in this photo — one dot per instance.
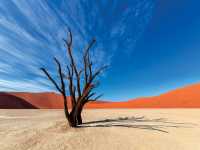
[62, 85]
[71, 87]
[61, 77]
[51, 79]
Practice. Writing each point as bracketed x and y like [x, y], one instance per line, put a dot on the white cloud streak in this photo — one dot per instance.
[31, 33]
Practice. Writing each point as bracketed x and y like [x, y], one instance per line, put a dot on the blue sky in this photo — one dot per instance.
[151, 46]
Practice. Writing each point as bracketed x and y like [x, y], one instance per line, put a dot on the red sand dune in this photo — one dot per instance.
[8, 101]
[186, 97]
[41, 100]
[48, 100]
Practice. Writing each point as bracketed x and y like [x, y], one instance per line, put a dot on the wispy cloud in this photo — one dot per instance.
[31, 33]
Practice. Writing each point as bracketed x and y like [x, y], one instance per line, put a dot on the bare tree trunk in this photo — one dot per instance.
[79, 111]
[79, 118]
[75, 115]
[72, 120]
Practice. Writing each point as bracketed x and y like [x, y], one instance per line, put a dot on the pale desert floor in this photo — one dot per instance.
[114, 129]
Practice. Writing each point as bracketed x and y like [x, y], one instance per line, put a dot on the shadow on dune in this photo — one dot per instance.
[8, 101]
[160, 124]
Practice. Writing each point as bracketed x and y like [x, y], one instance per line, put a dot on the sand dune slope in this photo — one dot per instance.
[9, 101]
[186, 97]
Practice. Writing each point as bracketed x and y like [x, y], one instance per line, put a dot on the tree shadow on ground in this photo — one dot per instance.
[159, 124]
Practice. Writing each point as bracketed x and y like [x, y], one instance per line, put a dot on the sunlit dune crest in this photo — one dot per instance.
[186, 97]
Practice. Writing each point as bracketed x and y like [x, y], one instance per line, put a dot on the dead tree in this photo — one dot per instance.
[81, 81]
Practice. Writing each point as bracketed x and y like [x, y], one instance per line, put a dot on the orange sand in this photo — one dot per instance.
[186, 97]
